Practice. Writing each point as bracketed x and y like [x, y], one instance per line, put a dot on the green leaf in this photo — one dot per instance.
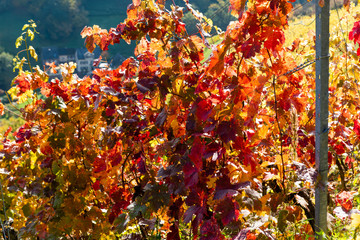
[58, 201]
[26, 210]
[121, 222]
[55, 167]
[282, 220]
[135, 208]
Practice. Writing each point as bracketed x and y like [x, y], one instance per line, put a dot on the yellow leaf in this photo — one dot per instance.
[25, 26]
[19, 41]
[13, 92]
[355, 222]
[211, 183]
[33, 53]
[25, 96]
[30, 34]
[263, 132]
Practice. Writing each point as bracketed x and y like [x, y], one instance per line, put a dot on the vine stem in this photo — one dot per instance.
[28, 55]
[280, 131]
[280, 138]
[123, 168]
[4, 209]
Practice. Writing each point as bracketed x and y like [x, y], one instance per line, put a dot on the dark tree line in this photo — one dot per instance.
[56, 19]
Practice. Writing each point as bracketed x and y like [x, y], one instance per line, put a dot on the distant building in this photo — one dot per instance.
[81, 56]
[49, 55]
[66, 55]
[85, 60]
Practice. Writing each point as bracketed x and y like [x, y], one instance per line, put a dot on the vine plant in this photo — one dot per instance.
[171, 144]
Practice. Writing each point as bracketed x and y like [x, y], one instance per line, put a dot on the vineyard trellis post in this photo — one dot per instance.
[322, 113]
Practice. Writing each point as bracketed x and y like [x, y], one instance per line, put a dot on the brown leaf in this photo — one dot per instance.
[346, 4]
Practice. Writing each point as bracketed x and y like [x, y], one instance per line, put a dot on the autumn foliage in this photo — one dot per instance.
[175, 145]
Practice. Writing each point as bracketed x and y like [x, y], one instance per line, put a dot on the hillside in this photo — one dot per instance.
[106, 14]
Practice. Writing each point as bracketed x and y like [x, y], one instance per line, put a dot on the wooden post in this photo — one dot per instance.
[322, 113]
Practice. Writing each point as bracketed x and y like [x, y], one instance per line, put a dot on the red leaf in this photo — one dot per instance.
[7, 131]
[193, 210]
[96, 185]
[197, 151]
[227, 131]
[355, 34]
[250, 47]
[57, 90]
[191, 175]
[345, 199]
[180, 27]
[22, 82]
[357, 127]
[339, 148]
[228, 210]
[116, 159]
[140, 162]
[210, 230]
[246, 155]
[203, 109]
[251, 236]
[213, 151]
[174, 232]
[195, 197]
[275, 38]
[89, 43]
[225, 189]
[99, 165]
[349, 161]
[109, 111]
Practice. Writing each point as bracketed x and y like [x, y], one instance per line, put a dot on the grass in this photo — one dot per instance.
[303, 26]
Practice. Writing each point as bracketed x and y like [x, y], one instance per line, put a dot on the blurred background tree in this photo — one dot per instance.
[6, 72]
[58, 19]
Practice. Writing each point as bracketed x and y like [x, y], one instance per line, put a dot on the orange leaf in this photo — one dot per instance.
[216, 65]
[136, 2]
[237, 7]
[1, 109]
[9, 129]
